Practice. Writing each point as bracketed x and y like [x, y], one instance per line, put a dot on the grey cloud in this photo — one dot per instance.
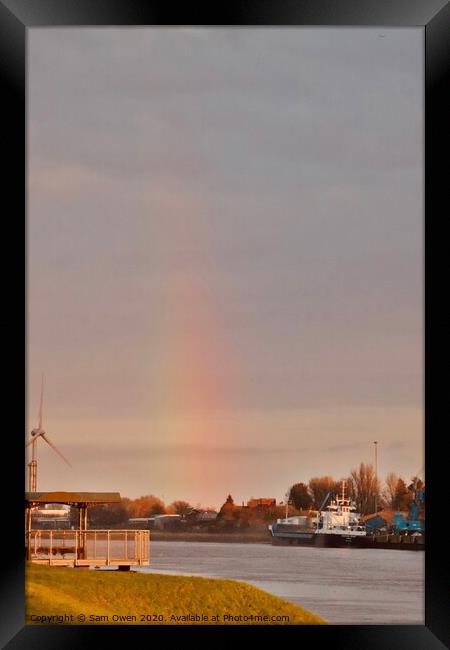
[207, 89]
[300, 151]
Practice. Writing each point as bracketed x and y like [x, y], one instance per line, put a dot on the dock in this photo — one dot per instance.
[83, 547]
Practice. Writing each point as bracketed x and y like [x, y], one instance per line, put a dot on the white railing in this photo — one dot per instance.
[100, 547]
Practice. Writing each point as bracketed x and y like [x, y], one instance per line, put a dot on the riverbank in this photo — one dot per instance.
[256, 537]
[56, 595]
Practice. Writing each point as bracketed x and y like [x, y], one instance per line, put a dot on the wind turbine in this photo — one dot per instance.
[35, 435]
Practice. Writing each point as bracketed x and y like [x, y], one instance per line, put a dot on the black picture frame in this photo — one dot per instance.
[18, 15]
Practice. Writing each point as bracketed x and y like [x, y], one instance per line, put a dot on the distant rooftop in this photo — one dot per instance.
[164, 516]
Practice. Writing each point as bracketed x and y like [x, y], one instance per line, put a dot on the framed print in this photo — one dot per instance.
[222, 231]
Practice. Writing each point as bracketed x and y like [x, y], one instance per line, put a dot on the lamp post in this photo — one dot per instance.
[288, 494]
[375, 442]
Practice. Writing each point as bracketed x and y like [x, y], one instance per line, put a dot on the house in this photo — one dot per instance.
[261, 503]
[207, 515]
[51, 515]
[143, 522]
[166, 522]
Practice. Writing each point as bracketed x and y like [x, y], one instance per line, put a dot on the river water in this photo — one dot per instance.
[344, 586]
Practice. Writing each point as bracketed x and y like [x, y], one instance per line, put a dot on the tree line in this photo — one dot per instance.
[144, 506]
[362, 486]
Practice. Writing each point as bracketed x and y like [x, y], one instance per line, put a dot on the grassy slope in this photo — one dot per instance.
[59, 591]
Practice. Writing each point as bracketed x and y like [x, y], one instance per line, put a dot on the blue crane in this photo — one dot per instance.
[412, 523]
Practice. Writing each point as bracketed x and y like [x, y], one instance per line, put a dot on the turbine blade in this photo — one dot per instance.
[55, 449]
[41, 402]
[30, 442]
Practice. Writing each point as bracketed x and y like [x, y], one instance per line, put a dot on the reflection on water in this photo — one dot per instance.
[353, 586]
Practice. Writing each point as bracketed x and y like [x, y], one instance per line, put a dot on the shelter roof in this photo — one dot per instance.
[72, 498]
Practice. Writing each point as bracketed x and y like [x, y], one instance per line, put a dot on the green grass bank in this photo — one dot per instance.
[57, 595]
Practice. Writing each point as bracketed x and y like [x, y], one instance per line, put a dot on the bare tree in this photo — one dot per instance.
[319, 486]
[146, 506]
[179, 507]
[391, 489]
[365, 487]
[403, 496]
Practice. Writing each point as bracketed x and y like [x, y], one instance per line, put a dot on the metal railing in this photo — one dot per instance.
[83, 547]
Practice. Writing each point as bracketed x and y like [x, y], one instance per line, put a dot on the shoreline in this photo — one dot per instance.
[262, 538]
[230, 538]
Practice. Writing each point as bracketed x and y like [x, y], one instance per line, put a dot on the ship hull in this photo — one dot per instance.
[393, 542]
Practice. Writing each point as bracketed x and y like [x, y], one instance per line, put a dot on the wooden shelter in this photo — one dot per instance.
[80, 500]
[82, 547]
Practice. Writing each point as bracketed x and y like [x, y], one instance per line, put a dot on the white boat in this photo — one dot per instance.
[335, 524]
[340, 518]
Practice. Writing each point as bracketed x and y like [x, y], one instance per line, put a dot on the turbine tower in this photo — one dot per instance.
[35, 435]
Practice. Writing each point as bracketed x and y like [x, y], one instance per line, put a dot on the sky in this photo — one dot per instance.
[224, 257]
